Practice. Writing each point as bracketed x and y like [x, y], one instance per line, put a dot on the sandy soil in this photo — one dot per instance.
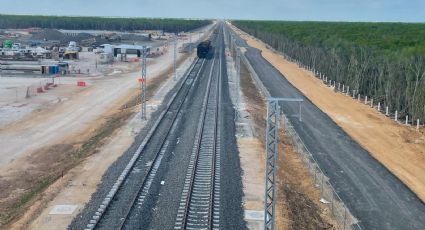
[298, 205]
[39, 140]
[251, 154]
[71, 116]
[298, 197]
[400, 148]
[13, 102]
[76, 187]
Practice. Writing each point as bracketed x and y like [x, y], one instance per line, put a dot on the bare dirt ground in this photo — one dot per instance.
[298, 205]
[42, 146]
[76, 187]
[400, 148]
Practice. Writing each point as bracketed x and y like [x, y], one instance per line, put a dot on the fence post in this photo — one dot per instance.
[358, 97]
[345, 217]
[417, 124]
[343, 88]
[396, 114]
[371, 102]
[339, 86]
[379, 106]
[354, 93]
[407, 119]
[348, 90]
[27, 95]
[365, 100]
[386, 111]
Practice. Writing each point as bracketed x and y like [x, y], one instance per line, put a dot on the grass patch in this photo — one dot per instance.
[86, 149]
[25, 198]
[112, 124]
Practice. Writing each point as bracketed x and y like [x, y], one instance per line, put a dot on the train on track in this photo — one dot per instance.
[203, 48]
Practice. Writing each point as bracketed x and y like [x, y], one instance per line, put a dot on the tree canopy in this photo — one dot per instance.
[385, 61]
[99, 23]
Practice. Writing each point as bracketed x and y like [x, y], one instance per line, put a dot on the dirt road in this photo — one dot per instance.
[71, 117]
[76, 188]
[61, 127]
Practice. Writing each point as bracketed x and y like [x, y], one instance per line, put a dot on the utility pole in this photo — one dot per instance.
[234, 49]
[231, 45]
[190, 42]
[175, 54]
[238, 80]
[272, 127]
[272, 138]
[143, 85]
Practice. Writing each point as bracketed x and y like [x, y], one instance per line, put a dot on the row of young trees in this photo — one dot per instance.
[382, 60]
[99, 23]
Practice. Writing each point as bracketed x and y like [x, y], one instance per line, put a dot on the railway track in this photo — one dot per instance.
[133, 184]
[200, 201]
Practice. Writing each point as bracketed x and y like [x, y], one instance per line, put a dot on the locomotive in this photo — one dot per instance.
[203, 48]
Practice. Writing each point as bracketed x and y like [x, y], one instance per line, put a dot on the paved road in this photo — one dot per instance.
[373, 194]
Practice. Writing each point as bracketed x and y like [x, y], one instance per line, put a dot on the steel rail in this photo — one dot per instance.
[118, 185]
[200, 135]
[134, 199]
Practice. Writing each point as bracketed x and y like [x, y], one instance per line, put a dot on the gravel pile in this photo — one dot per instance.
[49, 34]
[134, 37]
[56, 35]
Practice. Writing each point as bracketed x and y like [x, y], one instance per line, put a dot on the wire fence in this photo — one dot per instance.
[395, 115]
[339, 212]
[329, 197]
[378, 105]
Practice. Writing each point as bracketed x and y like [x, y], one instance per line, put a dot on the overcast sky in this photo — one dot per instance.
[317, 10]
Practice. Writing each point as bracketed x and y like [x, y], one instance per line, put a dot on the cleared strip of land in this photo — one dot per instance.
[399, 148]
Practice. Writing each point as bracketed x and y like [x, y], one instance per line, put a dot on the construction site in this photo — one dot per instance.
[140, 123]
[41, 95]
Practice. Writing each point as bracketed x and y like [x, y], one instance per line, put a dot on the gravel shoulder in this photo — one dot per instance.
[298, 205]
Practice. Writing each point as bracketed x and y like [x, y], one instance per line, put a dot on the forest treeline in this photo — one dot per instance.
[385, 61]
[99, 23]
